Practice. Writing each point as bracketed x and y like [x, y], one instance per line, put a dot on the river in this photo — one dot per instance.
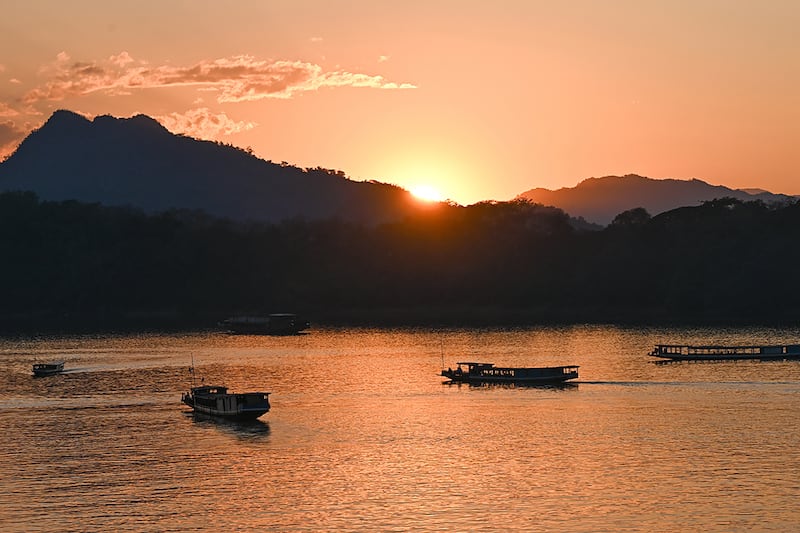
[364, 436]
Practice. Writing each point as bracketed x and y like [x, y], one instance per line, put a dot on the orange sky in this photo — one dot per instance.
[481, 100]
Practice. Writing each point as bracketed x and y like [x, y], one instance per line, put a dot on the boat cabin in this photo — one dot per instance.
[718, 352]
[218, 400]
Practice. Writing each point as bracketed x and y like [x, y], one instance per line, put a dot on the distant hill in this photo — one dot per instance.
[137, 162]
[599, 200]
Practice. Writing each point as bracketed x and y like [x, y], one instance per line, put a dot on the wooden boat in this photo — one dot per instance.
[215, 400]
[273, 324]
[488, 373]
[48, 369]
[683, 352]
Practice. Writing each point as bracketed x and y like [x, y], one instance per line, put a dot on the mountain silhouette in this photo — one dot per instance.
[137, 162]
[599, 200]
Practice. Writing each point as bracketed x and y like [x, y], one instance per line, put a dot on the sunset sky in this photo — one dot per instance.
[479, 100]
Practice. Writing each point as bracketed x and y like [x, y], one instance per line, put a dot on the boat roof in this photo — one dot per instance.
[221, 389]
[722, 346]
[262, 317]
[206, 388]
[491, 365]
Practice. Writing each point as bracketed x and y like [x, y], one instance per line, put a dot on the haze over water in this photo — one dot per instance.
[363, 435]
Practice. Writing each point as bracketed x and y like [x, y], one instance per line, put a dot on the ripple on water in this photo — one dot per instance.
[363, 436]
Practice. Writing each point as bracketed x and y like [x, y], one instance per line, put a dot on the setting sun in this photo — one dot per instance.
[426, 193]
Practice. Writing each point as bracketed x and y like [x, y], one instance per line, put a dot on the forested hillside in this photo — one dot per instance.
[137, 162]
[73, 265]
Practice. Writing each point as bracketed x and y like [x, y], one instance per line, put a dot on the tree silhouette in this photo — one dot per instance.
[69, 264]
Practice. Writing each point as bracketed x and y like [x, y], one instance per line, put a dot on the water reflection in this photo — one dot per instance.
[513, 385]
[721, 361]
[364, 437]
[242, 429]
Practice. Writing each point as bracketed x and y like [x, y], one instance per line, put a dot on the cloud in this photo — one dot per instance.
[122, 59]
[7, 111]
[236, 79]
[203, 124]
[10, 137]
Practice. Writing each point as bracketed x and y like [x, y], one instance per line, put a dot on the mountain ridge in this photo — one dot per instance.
[137, 162]
[599, 200]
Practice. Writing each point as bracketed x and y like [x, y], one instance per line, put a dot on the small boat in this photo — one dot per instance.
[488, 373]
[273, 324]
[683, 352]
[215, 400]
[48, 369]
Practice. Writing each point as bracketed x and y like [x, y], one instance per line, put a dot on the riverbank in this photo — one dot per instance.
[172, 320]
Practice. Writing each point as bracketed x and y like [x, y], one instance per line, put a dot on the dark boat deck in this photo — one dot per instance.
[215, 400]
[48, 369]
[488, 373]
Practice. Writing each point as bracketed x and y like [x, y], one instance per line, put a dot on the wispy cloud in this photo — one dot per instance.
[236, 79]
[10, 137]
[223, 80]
[203, 124]
[7, 111]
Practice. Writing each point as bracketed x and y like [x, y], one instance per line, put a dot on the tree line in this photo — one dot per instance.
[68, 264]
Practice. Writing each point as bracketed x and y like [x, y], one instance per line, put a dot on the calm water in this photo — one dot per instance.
[363, 435]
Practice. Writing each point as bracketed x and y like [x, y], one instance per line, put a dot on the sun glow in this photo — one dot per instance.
[427, 193]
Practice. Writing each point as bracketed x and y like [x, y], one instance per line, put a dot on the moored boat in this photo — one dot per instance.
[48, 369]
[215, 400]
[273, 324]
[488, 373]
[684, 352]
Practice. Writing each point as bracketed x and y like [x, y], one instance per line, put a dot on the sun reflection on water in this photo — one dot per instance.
[363, 435]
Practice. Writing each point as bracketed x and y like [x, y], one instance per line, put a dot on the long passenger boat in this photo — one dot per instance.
[274, 324]
[683, 352]
[215, 400]
[469, 372]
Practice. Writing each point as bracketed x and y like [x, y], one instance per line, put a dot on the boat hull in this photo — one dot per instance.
[45, 373]
[729, 357]
[241, 415]
[539, 381]
[41, 370]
